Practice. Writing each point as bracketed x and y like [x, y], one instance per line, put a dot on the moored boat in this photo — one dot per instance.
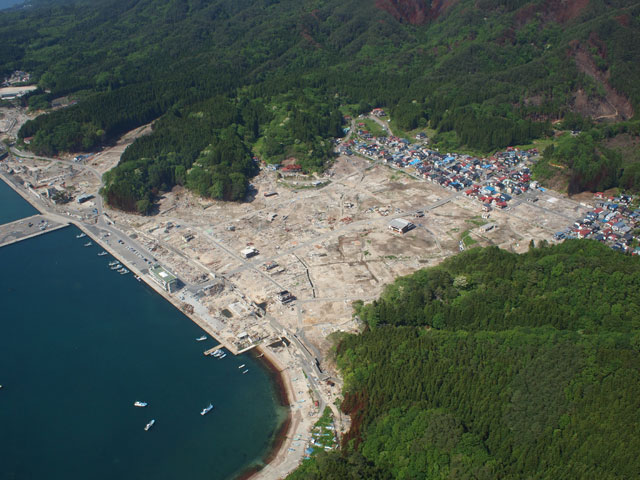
[149, 425]
[102, 253]
[201, 339]
[207, 409]
[113, 262]
[81, 235]
[222, 356]
[88, 244]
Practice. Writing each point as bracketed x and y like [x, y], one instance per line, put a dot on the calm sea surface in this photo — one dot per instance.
[12, 206]
[80, 343]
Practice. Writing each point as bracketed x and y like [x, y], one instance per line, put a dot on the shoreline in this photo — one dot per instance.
[277, 374]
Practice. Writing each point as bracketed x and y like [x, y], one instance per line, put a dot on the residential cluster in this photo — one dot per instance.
[613, 222]
[493, 181]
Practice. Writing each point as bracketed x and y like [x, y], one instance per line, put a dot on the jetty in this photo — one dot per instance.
[211, 350]
[29, 227]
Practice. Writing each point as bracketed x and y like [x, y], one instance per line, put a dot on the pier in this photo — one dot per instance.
[211, 350]
[27, 228]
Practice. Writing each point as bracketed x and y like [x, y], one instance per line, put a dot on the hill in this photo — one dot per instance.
[528, 368]
[481, 74]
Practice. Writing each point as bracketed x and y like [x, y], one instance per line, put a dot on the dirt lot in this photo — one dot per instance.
[331, 245]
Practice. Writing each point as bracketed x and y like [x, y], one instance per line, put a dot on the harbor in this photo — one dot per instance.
[111, 342]
[27, 228]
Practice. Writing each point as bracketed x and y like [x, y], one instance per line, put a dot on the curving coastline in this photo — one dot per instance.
[278, 446]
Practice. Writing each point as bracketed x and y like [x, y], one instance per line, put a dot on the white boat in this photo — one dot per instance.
[222, 356]
[81, 235]
[137, 277]
[140, 404]
[102, 253]
[113, 262]
[245, 371]
[149, 425]
[201, 339]
[123, 271]
[241, 366]
[117, 266]
[217, 353]
[207, 409]
[88, 244]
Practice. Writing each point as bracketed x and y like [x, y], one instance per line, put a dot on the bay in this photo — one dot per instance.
[12, 206]
[79, 343]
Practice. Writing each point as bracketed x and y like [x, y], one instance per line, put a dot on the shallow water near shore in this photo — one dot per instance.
[80, 343]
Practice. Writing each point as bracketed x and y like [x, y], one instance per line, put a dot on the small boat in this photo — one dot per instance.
[137, 277]
[113, 262]
[245, 371]
[149, 425]
[102, 253]
[241, 366]
[140, 404]
[124, 271]
[117, 266]
[217, 353]
[222, 356]
[81, 235]
[201, 339]
[88, 244]
[207, 409]
[260, 356]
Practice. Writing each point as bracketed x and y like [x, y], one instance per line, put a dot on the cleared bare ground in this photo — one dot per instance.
[331, 244]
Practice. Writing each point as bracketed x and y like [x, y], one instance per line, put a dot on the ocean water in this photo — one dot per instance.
[80, 343]
[13, 206]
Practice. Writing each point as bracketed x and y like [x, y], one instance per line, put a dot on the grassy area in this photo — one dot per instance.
[372, 127]
[477, 221]
[323, 435]
[466, 239]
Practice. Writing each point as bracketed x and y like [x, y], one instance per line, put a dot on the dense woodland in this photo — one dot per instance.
[496, 365]
[480, 74]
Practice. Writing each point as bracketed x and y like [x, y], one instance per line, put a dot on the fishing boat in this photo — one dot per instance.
[149, 425]
[81, 235]
[207, 409]
[201, 339]
[88, 244]
[102, 253]
[140, 404]
[241, 366]
[245, 371]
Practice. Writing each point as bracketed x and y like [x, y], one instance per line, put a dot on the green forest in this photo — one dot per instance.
[481, 74]
[495, 365]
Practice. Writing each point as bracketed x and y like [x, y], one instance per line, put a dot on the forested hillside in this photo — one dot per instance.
[480, 74]
[496, 365]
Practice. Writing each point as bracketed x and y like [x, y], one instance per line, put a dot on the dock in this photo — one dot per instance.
[26, 228]
[211, 350]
